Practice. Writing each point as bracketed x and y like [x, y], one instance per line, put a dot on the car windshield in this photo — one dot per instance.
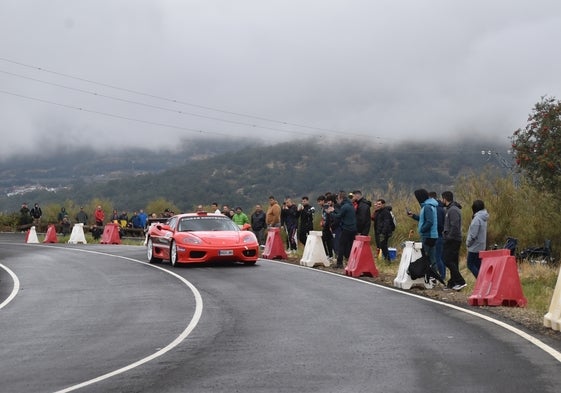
[189, 224]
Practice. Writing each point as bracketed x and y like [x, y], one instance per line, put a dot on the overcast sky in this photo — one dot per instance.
[128, 73]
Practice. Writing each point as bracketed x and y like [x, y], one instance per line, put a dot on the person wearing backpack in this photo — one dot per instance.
[384, 225]
[428, 224]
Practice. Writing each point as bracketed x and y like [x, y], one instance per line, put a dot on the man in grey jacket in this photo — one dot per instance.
[477, 236]
[452, 236]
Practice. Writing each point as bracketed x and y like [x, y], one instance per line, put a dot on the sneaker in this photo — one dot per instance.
[459, 287]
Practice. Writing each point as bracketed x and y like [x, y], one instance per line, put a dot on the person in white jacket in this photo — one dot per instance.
[477, 236]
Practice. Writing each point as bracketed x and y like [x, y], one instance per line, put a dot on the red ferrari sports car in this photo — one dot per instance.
[200, 237]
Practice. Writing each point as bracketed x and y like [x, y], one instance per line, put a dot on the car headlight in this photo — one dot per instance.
[191, 240]
[249, 238]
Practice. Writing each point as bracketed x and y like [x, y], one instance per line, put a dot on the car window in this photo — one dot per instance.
[171, 222]
[190, 224]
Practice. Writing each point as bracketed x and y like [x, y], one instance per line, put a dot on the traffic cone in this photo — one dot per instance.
[314, 252]
[111, 234]
[77, 235]
[553, 317]
[50, 237]
[361, 261]
[31, 236]
[274, 248]
[498, 283]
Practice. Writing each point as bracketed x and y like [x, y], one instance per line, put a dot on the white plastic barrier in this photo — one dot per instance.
[77, 235]
[411, 252]
[314, 253]
[553, 318]
[32, 236]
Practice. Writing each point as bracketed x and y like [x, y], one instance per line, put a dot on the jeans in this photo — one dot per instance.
[441, 267]
[430, 251]
[474, 263]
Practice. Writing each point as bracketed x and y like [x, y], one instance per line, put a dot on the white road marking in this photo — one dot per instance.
[190, 327]
[15, 289]
[533, 340]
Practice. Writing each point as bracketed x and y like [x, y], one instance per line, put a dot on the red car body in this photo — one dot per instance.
[200, 237]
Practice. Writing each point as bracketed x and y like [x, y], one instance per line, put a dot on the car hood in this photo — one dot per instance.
[220, 237]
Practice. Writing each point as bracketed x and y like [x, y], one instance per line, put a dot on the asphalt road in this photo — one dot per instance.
[99, 319]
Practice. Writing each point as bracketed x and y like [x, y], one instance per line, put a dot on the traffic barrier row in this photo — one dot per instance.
[110, 235]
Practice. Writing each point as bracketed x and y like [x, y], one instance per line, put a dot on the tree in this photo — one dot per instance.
[537, 148]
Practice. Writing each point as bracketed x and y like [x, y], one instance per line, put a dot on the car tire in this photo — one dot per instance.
[250, 263]
[150, 252]
[173, 253]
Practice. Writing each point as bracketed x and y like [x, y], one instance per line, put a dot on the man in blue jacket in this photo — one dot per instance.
[347, 218]
[428, 224]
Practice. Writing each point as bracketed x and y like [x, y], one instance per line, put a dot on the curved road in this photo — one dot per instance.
[86, 311]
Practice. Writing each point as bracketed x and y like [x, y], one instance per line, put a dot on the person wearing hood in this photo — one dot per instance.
[428, 224]
[452, 236]
[477, 236]
[362, 213]
[346, 215]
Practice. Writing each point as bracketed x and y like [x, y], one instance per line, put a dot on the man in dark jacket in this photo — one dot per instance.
[306, 218]
[383, 226]
[258, 225]
[347, 217]
[452, 235]
[362, 213]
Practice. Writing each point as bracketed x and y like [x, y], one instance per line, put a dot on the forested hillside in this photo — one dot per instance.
[230, 173]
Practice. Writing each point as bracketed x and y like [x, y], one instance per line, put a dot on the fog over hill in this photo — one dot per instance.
[230, 172]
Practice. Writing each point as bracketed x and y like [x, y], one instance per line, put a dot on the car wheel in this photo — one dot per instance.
[150, 252]
[173, 253]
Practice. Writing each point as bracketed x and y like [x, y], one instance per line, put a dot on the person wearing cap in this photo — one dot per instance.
[82, 217]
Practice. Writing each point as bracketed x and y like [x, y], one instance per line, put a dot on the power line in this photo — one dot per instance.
[93, 93]
[184, 102]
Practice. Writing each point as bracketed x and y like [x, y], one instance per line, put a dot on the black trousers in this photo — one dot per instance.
[345, 245]
[451, 256]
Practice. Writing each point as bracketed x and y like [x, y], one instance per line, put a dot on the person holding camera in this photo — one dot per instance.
[306, 216]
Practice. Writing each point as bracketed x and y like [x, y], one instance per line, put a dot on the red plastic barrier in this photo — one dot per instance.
[50, 236]
[27, 235]
[274, 248]
[110, 234]
[361, 261]
[498, 283]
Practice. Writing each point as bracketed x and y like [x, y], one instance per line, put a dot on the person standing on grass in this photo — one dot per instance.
[99, 216]
[362, 213]
[347, 217]
[452, 239]
[477, 236]
[428, 224]
[258, 225]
